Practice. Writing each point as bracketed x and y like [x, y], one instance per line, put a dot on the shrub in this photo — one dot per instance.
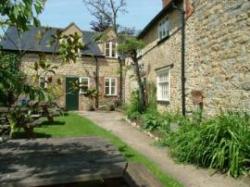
[222, 143]
[153, 120]
[133, 108]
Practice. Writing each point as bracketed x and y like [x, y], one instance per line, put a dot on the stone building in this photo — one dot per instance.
[84, 70]
[217, 55]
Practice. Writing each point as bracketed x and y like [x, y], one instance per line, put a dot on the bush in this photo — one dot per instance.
[153, 120]
[133, 108]
[222, 143]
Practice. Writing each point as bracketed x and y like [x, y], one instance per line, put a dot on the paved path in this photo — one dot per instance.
[188, 175]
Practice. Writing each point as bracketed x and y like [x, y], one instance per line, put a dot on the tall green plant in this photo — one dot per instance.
[222, 143]
[133, 107]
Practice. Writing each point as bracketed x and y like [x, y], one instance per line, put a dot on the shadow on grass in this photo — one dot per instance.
[47, 123]
[23, 135]
[124, 150]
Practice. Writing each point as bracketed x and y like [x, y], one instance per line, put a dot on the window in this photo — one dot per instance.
[163, 85]
[111, 49]
[43, 82]
[163, 29]
[110, 86]
[84, 84]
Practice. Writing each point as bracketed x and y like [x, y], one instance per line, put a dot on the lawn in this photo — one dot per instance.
[76, 125]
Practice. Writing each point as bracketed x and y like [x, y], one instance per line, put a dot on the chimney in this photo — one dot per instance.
[165, 3]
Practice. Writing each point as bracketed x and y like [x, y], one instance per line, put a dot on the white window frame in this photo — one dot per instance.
[110, 86]
[160, 83]
[112, 45]
[45, 80]
[164, 29]
[80, 82]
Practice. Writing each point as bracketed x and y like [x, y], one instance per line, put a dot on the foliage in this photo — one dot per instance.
[20, 13]
[69, 46]
[151, 96]
[221, 143]
[91, 94]
[153, 120]
[12, 84]
[106, 12]
[133, 108]
[129, 46]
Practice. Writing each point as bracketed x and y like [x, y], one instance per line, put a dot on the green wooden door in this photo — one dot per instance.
[72, 96]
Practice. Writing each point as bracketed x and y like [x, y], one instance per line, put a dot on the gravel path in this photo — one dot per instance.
[188, 175]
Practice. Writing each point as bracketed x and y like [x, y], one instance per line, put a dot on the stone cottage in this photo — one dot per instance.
[85, 70]
[217, 57]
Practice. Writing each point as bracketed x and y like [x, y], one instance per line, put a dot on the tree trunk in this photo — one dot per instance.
[142, 95]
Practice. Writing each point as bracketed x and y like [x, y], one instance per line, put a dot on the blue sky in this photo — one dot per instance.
[59, 13]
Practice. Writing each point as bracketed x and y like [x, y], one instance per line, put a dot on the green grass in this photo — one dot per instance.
[78, 126]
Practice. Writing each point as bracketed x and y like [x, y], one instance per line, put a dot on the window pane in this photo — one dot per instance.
[163, 86]
[107, 48]
[107, 82]
[84, 81]
[107, 90]
[113, 82]
[112, 90]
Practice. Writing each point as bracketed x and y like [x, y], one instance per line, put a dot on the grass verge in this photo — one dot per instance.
[74, 125]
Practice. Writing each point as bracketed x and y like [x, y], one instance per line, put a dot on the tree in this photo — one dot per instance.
[20, 13]
[130, 46]
[101, 23]
[107, 10]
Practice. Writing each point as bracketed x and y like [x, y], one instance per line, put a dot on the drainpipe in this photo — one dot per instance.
[97, 82]
[121, 61]
[183, 43]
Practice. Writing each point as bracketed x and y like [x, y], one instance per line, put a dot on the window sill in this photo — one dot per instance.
[108, 57]
[163, 40]
[110, 95]
[163, 101]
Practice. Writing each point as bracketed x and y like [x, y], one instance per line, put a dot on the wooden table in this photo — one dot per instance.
[43, 162]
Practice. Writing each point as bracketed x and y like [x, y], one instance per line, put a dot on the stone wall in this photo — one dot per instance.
[84, 67]
[217, 56]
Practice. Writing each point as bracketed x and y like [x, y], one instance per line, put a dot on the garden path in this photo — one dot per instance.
[188, 175]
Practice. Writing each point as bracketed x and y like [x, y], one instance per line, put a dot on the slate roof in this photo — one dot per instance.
[28, 41]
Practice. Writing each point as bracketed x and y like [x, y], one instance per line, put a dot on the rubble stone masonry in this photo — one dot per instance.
[217, 56]
[84, 67]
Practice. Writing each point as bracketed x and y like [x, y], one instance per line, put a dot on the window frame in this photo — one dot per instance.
[110, 86]
[164, 28]
[81, 92]
[112, 47]
[159, 84]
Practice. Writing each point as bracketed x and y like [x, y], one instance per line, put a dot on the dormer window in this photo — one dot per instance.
[163, 29]
[111, 49]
